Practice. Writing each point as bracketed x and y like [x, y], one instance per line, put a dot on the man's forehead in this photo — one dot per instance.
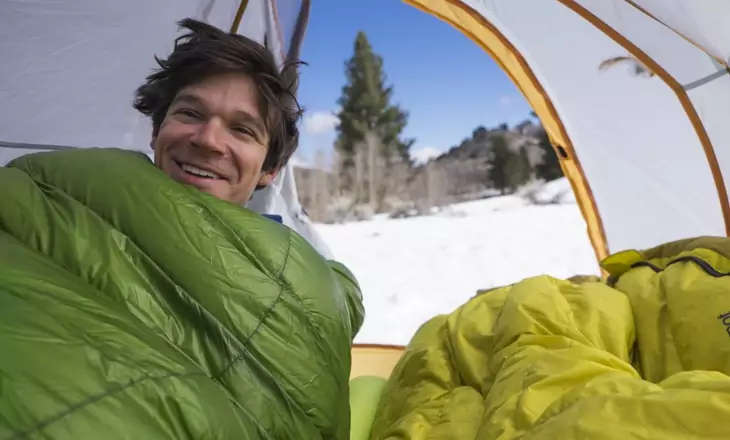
[237, 98]
[231, 93]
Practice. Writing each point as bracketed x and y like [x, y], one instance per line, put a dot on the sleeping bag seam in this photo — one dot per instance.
[613, 280]
[317, 333]
[211, 214]
[704, 265]
[240, 355]
[96, 398]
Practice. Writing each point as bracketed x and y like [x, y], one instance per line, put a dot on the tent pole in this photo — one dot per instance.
[239, 16]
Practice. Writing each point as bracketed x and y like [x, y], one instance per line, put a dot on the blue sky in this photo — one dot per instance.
[446, 82]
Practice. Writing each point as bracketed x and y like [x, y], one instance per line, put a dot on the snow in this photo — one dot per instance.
[559, 188]
[413, 269]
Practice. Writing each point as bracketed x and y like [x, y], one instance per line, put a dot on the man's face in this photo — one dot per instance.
[215, 139]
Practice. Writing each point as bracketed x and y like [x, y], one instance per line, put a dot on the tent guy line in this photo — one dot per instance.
[709, 78]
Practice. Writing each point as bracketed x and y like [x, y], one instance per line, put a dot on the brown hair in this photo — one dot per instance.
[207, 51]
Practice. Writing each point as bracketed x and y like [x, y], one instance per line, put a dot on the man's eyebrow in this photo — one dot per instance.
[188, 98]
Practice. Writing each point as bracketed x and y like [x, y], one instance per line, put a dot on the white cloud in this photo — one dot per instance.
[320, 122]
[299, 161]
[424, 154]
[505, 100]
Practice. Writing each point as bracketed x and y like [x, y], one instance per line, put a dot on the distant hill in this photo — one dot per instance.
[466, 164]
[459, 174]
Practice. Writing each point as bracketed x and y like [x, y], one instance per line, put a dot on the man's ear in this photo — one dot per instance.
[266, 178]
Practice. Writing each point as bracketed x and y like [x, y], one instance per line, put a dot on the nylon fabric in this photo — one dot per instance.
[646, 355]
[132, 306]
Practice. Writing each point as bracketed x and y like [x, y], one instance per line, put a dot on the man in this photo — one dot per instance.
[224, 120]
[141, 301]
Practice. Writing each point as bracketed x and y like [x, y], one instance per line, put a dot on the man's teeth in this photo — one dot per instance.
[198, 172]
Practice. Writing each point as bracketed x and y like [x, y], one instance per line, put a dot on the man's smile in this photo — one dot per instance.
[198, 171]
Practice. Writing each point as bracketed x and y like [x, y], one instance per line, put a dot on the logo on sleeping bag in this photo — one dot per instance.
[725, 321]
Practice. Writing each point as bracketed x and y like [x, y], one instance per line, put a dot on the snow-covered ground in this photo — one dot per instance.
[412, 269]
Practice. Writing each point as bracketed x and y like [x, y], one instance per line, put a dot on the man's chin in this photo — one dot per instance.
[215, 192]
[211, 192]
[202, 185]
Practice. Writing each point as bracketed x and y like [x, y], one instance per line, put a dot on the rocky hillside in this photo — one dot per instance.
[461, 173]
[467, 164]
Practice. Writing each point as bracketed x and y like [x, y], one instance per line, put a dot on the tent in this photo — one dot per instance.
[643, 147]
[643, 153]
[70, 70]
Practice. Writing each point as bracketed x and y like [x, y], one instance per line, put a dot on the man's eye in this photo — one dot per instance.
[243, 130]
[188, 113]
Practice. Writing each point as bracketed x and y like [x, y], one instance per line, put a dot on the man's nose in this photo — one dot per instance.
[209, 137]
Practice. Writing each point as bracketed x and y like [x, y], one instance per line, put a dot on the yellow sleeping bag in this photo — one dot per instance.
[644, 355]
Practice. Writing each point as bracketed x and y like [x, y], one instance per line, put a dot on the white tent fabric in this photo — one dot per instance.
[647, 162]
[704, 81]
[704, 22]
[70, 70]
[639, 151]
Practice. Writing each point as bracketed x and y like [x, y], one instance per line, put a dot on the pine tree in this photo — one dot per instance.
[366, 108]
[500, 156]
[549, 169]
[518, 169]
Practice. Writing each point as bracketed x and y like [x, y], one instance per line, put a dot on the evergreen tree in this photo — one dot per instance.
[500, 156]
[519, 169]
[366, 107]
[549, 168]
